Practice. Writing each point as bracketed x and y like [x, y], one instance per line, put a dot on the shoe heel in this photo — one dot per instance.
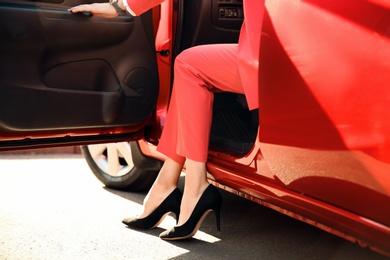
[210, 200]
[217, 212]
[177, 213]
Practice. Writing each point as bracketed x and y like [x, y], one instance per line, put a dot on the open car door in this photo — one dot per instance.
[73, 78]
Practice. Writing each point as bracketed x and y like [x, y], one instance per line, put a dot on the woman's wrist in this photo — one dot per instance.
[118, 6]
[128, 9]
[121, 4]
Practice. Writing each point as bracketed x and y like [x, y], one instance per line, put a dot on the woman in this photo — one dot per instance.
[199, 71]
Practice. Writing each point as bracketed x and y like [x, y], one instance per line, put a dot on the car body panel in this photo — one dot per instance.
[322, 150]
[331, 97]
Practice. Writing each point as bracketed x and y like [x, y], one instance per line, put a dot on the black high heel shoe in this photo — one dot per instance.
[210, 200]
[170, 204]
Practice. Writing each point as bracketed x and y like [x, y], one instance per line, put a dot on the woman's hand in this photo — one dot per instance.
[97, 9]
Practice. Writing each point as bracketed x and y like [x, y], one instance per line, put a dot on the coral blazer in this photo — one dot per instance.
[248, 44]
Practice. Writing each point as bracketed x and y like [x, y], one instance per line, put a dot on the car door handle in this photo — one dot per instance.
[88, 14]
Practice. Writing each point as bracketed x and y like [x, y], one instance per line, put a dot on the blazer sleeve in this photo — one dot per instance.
[141, 6]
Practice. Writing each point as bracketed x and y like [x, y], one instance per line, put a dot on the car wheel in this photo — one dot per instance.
[121, 165]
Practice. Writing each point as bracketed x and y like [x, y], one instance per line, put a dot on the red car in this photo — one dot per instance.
[318, 148]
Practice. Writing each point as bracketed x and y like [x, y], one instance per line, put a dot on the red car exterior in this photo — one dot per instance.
[322, 153]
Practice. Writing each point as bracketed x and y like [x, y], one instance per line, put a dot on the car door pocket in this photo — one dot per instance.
[86, 75]
[88, 84]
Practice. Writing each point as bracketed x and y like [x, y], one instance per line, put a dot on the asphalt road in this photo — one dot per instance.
[52, 207]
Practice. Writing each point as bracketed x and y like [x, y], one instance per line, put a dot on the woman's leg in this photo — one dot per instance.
[194, 185]
[199, 71]
[164, 184]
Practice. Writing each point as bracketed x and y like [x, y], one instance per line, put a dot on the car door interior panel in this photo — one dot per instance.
[67, 71]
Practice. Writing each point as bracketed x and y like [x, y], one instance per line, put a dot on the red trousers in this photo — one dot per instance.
[199, 71]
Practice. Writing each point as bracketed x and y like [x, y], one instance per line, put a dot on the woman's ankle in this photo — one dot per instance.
[155, 197]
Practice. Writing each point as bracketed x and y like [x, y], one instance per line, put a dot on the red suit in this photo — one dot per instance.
[201, 70]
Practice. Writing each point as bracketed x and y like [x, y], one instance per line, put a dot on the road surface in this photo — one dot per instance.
[52, 207]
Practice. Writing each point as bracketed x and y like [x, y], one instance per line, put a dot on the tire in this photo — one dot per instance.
[121, 166]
